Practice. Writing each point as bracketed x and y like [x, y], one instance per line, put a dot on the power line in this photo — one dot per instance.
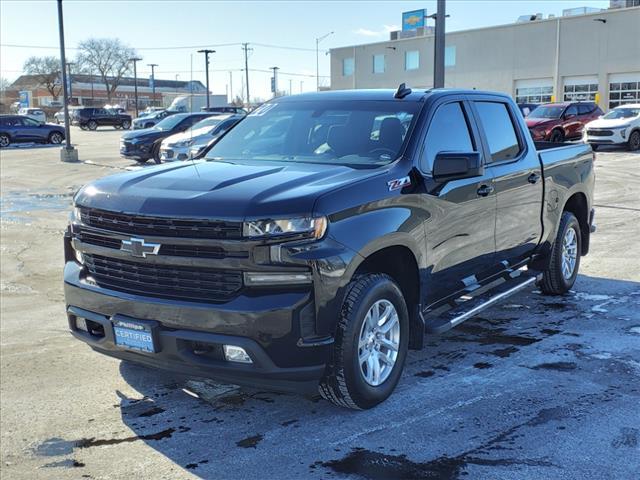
[186, 47]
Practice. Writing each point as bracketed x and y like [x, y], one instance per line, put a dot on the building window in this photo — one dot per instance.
[623, 92]
[412, 60]
[378, 64]
[581, 92]
[348, 66]
[450, 56]
[534, 94]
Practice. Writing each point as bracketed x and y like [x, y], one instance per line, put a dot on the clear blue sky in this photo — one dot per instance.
[166, 23]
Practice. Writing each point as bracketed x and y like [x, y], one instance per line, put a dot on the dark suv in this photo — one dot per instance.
[555, 122]
[234, 110]
[92, 118]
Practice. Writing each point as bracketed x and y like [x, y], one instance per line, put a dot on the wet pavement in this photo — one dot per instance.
[538, 387]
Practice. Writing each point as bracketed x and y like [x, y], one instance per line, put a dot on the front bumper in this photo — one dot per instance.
[136, 151]
[606, 136]
[172, 154]
[266, 325]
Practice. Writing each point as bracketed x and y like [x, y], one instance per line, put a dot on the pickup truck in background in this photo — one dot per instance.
[323, 236]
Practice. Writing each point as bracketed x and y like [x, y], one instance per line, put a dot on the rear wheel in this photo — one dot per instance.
[557, 136]
[126, 124]
[370, 346]
[56, 138]
[634, 141]
[4, 140]
[92, 125]
[565, 257]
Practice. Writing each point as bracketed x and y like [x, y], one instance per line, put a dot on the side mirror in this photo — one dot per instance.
[455, 166]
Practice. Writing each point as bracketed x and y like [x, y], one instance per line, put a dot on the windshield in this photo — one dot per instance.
[169, 122]
[546, 112]
[622, 113]
[353, 133]
[210, 122]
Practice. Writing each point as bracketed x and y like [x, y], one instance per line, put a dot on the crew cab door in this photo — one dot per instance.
[460, 231]
[517, 176]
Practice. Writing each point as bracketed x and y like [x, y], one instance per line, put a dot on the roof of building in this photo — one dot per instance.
[32, 80]
[380, 94]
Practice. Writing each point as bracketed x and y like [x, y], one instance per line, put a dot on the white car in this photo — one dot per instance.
[620, 126]
[34, 113]
[179, 146]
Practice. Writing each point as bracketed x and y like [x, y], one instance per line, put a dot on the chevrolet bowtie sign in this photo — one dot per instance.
[137, 247]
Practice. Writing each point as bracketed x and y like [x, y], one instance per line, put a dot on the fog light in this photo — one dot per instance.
[233, 353]
[79, 257]
[623, 133]
[81, 324]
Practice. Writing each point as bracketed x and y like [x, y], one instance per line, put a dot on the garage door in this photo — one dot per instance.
[624, 88]
[537, 90]
[581, 88]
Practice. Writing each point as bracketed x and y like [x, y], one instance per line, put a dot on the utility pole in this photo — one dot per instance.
[68, 153]
[153, 81]
[91, 77]
[301, 84]
[177, 75]
[135, 60]
[70, 81]
[231, 87]
[245, 47]
[275, 81]
[438, 54]
[290, 87]
[206, 69]
[318, 40]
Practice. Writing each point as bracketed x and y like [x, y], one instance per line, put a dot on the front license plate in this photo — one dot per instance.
[134, 335]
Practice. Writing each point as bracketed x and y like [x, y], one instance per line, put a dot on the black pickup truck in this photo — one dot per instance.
[323, 236]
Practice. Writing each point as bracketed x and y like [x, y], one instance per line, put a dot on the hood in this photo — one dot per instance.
[537, 122]
[144, 134]
[219, 190]
[611, 122]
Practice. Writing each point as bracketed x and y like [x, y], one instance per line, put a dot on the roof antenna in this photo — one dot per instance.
[402, 91]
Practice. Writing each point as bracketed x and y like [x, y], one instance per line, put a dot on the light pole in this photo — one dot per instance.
[206, 69]
[68, 153]
[70, 81]
[153, 81]
[275, 81]
[438, 49]
[135, 60]
[318, 40]
[177, 75]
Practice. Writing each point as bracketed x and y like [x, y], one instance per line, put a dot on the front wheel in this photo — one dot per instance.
[370, 346]
[92, 125]
[125, 124]
[4, 140]
[565, 257]
[56, 138]
[557, 136]
[634, 141]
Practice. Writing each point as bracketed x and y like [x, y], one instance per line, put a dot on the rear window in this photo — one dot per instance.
[499, 130]
[358, 133]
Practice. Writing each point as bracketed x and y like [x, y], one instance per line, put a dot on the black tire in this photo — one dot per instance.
[92, 125]
[5, 140]
[634, 141]
[594, 147]
[56, 138]
[117, 127]
[83, 127]
[156, 153]
[343, 383]
[142, 161]
[554, 281]
[126, 125]
[557, 136]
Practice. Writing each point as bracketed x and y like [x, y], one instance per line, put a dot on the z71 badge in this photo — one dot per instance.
[398, 183]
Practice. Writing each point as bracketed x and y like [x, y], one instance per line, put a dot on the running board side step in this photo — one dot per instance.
[448, 319]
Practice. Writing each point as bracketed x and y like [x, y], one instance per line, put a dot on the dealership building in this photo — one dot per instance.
[585, 54]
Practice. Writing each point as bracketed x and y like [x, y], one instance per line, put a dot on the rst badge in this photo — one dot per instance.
[137, 247]
[398, 183]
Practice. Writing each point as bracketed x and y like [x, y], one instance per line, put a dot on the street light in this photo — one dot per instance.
[438, 47]
[68, 153]
[275, 81]
[70, 81]
[135, 60]
[318, 40]
[206, 68]
[153, 81]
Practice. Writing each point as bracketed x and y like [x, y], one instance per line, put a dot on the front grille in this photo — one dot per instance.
[165, 281]
[599, 133]
[159, 226]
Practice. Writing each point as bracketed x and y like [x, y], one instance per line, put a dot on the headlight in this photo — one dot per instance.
[313, 227]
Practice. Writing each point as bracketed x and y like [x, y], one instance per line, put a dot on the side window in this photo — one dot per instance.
[30, 122]
[572, 110]
[585, 109]
[499, 129]
[448, 132]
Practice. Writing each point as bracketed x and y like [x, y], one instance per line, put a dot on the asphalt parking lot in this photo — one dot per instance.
[538, 387]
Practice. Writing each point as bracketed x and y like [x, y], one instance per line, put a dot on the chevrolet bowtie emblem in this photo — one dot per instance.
[137, 247]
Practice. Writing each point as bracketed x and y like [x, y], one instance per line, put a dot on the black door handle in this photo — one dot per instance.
[533, 178]
[485, 190]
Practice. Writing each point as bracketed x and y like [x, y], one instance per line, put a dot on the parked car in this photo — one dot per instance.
[557, 122]
[621, 126]
[58, 117]
[301, 262]
[178, 146]
[23, 129]
[142, 145]
[527, 108]
[93, 117]
[35, 113]
[152, 118]
[230, 109]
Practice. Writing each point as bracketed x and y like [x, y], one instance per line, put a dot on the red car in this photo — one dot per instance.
[555, 122]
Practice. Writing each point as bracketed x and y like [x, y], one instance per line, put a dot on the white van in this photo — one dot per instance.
[34, 113]
[195, 103]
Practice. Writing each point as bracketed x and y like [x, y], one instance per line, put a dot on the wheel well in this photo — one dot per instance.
[577, 204]
[400, 264]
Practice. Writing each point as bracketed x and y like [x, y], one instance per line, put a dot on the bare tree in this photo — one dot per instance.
[47, 73]
[4, 84]
[109, 58]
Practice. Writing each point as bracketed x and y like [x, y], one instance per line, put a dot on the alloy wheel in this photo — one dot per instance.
[569, 252]
[379, 342]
